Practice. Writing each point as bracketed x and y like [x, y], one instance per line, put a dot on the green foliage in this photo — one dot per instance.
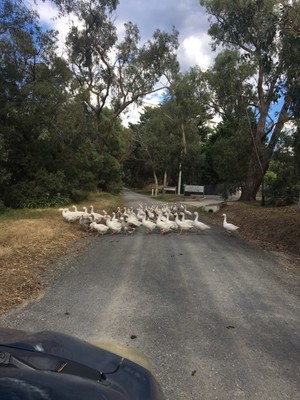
[14, 15]
[280, 187]
[109, 174]
[43, 190]
[228, 153]
[2, 207]
[230, 159]
[77, 195]
[228, 79]
[106, 69]
[136, 168]
[156, 146]
[226, 189]
[193, 164]
[261, 40]
[58, 140]
[282, 183]
[173, 134]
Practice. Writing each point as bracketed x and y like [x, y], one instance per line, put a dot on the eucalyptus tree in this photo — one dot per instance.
[32, 82]
[266, 36]
[230, 86]
[155, 145]
[229, 147]
[14, 16]
[115, 73]
[227, 152]
[282, 178]
[172, 134]
[188, 104]
[35, 127]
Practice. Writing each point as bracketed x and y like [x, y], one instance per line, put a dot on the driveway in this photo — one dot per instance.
[217, 317]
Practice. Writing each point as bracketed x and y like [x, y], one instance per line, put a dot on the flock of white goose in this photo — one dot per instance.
[165, 219]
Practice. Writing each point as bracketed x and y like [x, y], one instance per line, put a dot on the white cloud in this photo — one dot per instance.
[133, 112]
[187, 16]
[47, 11]
[195, 50]
[131, 115]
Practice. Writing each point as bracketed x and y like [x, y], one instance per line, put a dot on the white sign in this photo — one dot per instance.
[194, 188]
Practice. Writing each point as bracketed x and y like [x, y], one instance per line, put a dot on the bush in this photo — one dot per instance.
[43, 190]
[2, 207]
[226, 189]
[110, 174]
[26, 195]
[280, 188]
[78, 195]
[114, 188]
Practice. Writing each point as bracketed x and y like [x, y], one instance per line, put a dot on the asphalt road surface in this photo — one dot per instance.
[217, 318]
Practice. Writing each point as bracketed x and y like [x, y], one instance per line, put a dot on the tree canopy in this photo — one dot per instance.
[61, 133]
[266, 36]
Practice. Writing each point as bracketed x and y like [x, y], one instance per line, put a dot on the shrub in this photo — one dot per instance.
[281, 188]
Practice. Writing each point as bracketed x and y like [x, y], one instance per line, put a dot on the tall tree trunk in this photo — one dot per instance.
[261, 154]
[155, 181]
[165, 183]
[253, 180]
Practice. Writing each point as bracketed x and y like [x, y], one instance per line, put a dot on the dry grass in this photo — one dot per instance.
[276, 229]
[28, 245]
[30, 242]
[25, 246]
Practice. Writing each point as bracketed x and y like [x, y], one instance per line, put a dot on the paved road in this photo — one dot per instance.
[217, 317]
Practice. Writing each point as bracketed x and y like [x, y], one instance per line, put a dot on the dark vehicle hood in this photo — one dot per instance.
[60, 365]
[61, 345]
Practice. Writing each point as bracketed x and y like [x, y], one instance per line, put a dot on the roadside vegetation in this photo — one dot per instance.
[33, 240]
[30, 241]
[62, 136]
[61, 132]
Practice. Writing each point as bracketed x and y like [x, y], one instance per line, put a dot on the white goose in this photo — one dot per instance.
[140, 214]
[132, 219]
[115, 226]
[100, 228]
[149, 225]
[84, 213]
[70, 216]
[198, 224]
[164, 225]
[97, 217]
[172, 222]
[228, 226]
[187, 212]
[150, 213]
[184, 224]
[189, 221]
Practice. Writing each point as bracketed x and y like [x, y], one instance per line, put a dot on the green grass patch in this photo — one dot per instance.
[99, 200]
[27, 213]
